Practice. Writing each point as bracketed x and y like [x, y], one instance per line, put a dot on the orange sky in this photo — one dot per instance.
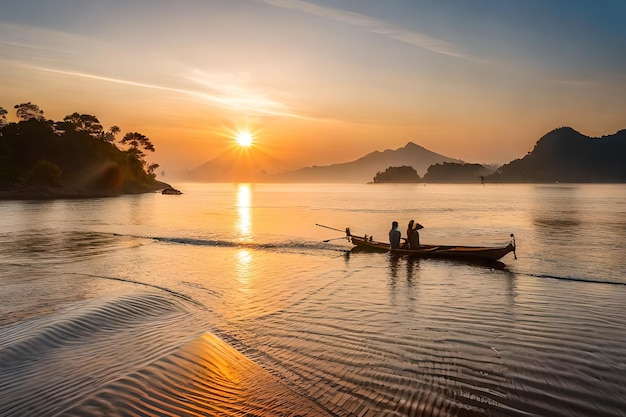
[321, 82]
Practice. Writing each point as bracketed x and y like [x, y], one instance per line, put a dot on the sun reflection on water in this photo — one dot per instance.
[243, 259]
[244, 220]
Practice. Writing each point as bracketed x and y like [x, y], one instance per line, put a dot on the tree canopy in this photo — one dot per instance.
[28, 111]
[75, 154]
[402, 174]
[454, 172]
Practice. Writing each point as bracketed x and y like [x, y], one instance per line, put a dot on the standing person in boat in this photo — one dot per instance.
[394, 236]
[412, 235]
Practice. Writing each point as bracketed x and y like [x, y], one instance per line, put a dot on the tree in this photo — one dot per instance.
[3, 117]
[136, 141]
[109, 135]
[36, 152]
[28, 111]
[151, 168]
[91, 125]
[81, 123]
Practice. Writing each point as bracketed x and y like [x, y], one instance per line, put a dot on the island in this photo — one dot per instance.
[71, 158]
[449, 172]
[401, 174]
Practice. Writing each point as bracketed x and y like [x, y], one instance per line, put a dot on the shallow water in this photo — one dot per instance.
[225, 301]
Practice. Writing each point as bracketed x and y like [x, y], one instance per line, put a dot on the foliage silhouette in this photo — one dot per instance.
[76, 156]
[401, 174]
[44, 173]
[450, 172]
[565, 155]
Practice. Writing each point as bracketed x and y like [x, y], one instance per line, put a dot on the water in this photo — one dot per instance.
[225, 301]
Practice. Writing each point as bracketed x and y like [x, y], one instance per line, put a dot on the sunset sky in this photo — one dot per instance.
[320, 81]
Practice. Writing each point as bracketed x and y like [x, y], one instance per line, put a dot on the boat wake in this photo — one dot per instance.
[158, 287]
[574, 279]
[282, 246]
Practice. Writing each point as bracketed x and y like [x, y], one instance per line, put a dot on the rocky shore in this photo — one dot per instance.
[72, 191]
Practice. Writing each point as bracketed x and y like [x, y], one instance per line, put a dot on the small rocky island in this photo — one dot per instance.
[71, 158]
[401, 174]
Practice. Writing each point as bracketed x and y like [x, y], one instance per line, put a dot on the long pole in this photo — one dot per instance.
[328, 227]
[335, 238]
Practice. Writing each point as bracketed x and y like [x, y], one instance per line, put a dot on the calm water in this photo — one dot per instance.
[225, 301]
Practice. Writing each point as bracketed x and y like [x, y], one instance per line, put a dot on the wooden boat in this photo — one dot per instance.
[476, 253]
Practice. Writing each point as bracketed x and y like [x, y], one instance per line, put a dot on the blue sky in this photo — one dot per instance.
[323, 81]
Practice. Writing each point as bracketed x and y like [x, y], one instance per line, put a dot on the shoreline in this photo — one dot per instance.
[68, 192]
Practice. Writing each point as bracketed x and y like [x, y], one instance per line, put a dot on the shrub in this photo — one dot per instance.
[44, 173]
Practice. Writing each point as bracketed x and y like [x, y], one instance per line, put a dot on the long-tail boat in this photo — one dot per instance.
[480, 253]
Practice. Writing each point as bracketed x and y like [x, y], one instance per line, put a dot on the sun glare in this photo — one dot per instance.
[244, 138]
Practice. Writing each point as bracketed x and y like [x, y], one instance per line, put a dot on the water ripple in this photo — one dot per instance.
[47, 362]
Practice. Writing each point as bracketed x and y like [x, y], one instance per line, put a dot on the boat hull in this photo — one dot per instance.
[486, 253]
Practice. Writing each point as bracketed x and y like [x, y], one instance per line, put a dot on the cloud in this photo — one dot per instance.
[33, 38]
[224, 95]
[58, 52]
[370, 24]
[234, 88]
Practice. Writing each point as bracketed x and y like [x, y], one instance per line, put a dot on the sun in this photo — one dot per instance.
[244, 138]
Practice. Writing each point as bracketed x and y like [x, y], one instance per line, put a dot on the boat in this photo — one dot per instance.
[476, 253]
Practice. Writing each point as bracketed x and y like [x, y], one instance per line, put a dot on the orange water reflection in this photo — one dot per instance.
[242, 266]
[244, 219]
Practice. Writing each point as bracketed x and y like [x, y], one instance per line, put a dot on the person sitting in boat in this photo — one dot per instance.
[409, 232]
[412, 235]
[394, 236]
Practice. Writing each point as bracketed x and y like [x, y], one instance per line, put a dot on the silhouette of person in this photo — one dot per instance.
[412, 235]
[394, 236]
[409, 232]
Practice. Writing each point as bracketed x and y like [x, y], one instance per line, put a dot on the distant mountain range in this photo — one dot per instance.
[361, 170]
[364, 169]
[562, 155]
[234, 165]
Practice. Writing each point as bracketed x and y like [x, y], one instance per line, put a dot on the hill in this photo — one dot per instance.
[74, 157]
[364, 169]
[565, 155]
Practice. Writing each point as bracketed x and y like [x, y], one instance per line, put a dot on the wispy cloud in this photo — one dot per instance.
[223, 94]
[22, 45]
[22, 36]
[234, 88]
[58, 52]
[371, 24]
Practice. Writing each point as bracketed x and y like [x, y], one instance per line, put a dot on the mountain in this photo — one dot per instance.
[364, 169]
[565, 155]
[237, 166]
[234, 165]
